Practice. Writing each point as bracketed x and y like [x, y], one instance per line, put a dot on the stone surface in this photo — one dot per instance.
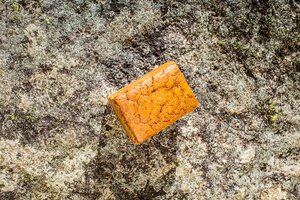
[59, 60]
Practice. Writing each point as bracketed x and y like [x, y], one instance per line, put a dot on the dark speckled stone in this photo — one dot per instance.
[59, 60]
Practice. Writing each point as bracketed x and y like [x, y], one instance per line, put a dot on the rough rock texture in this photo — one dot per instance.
[59, 60]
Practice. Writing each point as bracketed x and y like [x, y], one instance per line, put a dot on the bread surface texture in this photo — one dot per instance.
[153, 102]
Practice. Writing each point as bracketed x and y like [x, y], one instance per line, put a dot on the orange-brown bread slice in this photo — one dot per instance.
[153, 102]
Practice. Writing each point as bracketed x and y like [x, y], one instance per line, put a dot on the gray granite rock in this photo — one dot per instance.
[59, 60]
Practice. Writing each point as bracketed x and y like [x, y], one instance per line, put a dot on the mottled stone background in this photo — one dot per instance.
[59, 60]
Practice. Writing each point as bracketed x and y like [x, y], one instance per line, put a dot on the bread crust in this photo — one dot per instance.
[153, 102]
